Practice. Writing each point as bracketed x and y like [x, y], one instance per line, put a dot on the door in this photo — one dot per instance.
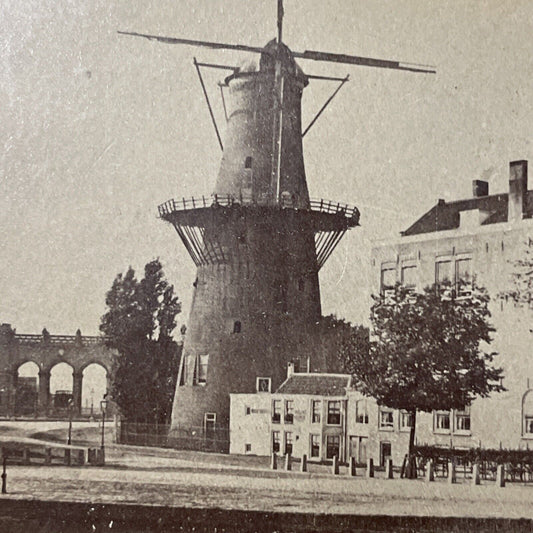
[385, 452]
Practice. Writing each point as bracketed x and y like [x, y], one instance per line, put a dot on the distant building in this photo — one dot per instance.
[472, 239]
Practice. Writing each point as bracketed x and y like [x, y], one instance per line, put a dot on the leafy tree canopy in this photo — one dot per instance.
[139, 321]
[425, 351]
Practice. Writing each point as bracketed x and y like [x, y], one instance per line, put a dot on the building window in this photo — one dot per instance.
[409, 277]
[248, 410]
[191, 365]
[275, 442]
[462, 419]
[315, 445]
[288, 442]
[248, 162]
[388, 279]
[184, 369]
[276, 411]
[301, 284]
[236, 326]
[443, 275]
[406, 420]
[333, 444]
[361, 412]
[316, 408]
[263, 384]
[203, 361]
[386, 418]
[463, 277]
[442, 421]
[289, 411]
[527, 413]
[334, 413]
[247, 448]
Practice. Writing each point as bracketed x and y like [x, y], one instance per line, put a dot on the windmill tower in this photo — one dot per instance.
[258, 242]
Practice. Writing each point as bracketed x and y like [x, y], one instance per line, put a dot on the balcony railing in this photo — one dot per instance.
[24, 338]
[316, 205]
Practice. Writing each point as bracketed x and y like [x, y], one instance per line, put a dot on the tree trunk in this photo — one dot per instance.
[411, 462]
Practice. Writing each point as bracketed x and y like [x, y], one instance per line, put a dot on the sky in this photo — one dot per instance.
[97, 129]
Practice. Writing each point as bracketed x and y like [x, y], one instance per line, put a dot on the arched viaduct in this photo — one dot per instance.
[46, 351]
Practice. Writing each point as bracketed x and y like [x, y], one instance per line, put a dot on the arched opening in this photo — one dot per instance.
[94, 386]
[61, 385]
[27, 390]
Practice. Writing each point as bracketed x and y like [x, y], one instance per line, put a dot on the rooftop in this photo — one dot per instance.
[316, 384]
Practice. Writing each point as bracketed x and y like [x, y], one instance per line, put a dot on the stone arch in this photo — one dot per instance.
[527, 414]
[61, 386]
[95, 383]
[26, 382]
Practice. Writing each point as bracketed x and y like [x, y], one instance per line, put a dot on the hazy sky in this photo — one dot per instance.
[97, 129]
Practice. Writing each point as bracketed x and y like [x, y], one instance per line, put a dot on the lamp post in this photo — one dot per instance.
[103, 405]
[69, 407]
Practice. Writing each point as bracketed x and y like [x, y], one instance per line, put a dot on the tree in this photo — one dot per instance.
[425, 353]
[139, 321]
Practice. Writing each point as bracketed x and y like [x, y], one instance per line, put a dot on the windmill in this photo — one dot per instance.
[258, 241]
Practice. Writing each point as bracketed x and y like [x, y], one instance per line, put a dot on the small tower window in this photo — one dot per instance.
[248, 162]
[237, 326]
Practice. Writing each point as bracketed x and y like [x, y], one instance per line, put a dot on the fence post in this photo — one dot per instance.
[4, 473]
[388, 470]
[430, 471]
[475, 474]
[500, 476]
[288, 464]
[48, 456]
[81, 457]
[67, 456]
[274, 461]
[26, 455]
[303, 464]
[452, 478]
[335, 466]
[370, 467]
[353, 470]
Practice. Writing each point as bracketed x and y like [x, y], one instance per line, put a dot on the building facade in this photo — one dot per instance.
[472, 240]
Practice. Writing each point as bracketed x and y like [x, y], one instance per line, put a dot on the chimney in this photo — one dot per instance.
[517, 190]
[480, 188]
[290, 369]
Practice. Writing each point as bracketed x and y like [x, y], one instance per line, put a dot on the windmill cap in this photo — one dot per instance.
[266, 62]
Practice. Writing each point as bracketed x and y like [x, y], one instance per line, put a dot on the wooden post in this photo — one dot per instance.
[475, 474]
[353, 470]
[4, 473]
[26, 455]
[335, 466]
[303, 464]
[452, 478]
[288, 463]
[274, 462]
[67, 456]
[389, 474]
[500, 476]
[430, 471]
[81, 457]
[370, 467]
